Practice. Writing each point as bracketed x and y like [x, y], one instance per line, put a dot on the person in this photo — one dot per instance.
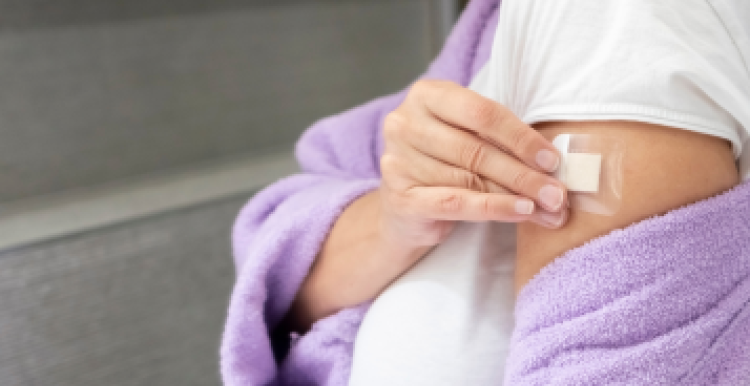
[458, 166]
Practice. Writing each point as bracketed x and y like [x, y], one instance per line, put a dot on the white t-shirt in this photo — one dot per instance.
[679, 63]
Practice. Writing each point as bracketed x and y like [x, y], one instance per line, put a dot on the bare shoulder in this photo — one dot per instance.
[664, 168]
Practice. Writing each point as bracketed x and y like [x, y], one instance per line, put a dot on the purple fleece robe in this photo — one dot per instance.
[662, 302]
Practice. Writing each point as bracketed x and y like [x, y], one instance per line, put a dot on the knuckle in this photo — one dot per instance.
[521, 137]
[472, 156]
[422, 87]
[520, 178]
[483, 113]
[487, 207]
[449, 204]
[430, 89]
[394, 125]
[391, 172]
[493, 208]
[469, 181]
[388, 163]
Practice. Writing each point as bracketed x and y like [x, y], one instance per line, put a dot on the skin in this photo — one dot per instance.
[453, 155]
[664, 168]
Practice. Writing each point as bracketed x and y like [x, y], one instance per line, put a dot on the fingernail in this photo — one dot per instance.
[553, 219]
[551, 196]
[547, 160]
[524, 207]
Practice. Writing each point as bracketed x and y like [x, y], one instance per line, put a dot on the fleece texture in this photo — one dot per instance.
[662, 302]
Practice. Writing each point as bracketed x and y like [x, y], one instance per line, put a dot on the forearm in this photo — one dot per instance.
[356, 262]
[664, 168]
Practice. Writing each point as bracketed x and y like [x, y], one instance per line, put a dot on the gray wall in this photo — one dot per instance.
[95, 91]
[140, 304]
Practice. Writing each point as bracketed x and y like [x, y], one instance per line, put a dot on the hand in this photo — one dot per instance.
[451, 155]
[454, 155]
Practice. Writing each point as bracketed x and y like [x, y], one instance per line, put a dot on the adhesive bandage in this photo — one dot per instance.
[591, 169]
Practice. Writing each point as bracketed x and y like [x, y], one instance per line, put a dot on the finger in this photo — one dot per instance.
[408, 167]
[429, 171]
[469, 152]
[455, 204]
[464, 108]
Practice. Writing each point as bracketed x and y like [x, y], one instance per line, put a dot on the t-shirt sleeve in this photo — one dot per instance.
[676, 63]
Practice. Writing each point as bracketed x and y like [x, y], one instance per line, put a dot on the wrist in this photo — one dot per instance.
[362, 255]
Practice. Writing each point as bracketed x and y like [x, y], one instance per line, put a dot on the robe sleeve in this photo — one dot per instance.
[662, 302]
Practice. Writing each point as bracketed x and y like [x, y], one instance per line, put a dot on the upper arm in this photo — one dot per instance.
[664, 168]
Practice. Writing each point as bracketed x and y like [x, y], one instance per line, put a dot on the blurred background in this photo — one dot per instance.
[131, 133]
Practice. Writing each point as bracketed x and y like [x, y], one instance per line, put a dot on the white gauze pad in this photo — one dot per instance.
[581, 172]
